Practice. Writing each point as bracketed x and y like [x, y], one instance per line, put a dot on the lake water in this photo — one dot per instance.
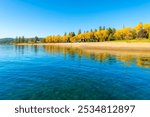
[54, 73]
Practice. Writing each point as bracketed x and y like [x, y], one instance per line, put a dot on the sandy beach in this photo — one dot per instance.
[117, 46]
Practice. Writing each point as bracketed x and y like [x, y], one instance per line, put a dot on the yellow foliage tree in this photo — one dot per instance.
[101, 35]
[147, 28]
[125, 33]
[138, 27]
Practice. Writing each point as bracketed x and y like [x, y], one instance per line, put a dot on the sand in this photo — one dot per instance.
[120, 48]
[141, 46]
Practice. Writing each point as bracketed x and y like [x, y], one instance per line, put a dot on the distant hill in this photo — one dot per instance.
[13, 40]
[6, 40]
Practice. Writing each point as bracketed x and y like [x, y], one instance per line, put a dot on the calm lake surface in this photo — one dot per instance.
[51, 72]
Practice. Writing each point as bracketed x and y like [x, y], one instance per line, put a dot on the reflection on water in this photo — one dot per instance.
[21, 48]
[57, 73]
[140, 60]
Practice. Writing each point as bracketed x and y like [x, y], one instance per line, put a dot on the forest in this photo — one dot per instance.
[141, 31]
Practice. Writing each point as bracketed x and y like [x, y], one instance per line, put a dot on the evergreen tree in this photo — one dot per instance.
[79, 32]
[65, 34]
[100, 28]
[36, 39]
[103, 28]
[142, 34]
[23, 39]
[72, 34]
[95, 30]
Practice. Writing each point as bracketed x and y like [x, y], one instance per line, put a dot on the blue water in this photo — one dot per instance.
[54, 73]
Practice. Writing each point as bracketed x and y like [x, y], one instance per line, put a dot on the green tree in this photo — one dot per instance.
[65, 34]
[79, 32]
[36, 39]
[100, 28]
[23, 39]
[111, 37]
[72, 34]
[142, 34]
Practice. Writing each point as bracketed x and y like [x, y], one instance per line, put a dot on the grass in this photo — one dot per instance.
[133, 40]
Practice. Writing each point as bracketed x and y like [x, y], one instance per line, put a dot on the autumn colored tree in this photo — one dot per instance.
[101, 35]
[147, 28]
[110, 34]
[138, 27]
[94, 35]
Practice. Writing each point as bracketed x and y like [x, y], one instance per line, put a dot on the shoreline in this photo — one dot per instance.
[115, 46]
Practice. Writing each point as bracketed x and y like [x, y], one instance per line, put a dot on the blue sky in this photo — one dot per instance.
[47, 17]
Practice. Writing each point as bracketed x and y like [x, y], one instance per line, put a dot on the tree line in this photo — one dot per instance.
[103, 34]
[27, 40]
[141, 31]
